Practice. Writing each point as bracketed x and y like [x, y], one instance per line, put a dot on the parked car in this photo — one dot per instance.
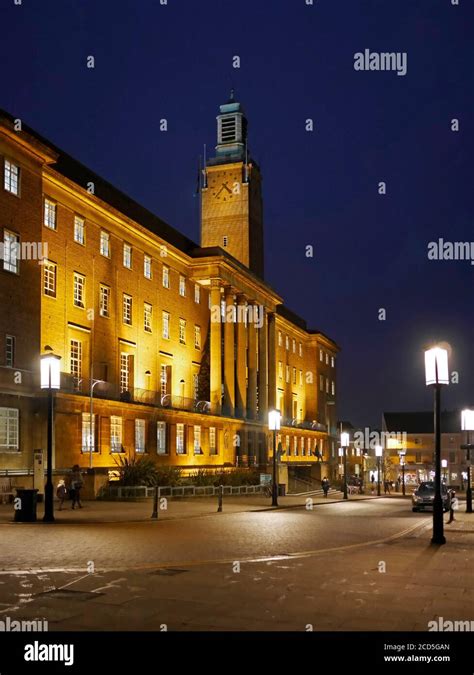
[423, 496]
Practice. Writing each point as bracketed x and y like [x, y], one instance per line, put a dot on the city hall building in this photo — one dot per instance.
[167, 347]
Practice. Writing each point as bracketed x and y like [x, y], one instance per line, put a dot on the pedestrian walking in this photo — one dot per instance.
[61, 493]
[325, 486]
[76, 486]
[453, 506]
[372, 481]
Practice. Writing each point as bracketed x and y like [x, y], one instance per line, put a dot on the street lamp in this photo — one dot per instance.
[344, 446]
[274, 420]
[402, 454]
[437, 374]
[444, 465]
[50, 380]
[378, 454]
[467, 425]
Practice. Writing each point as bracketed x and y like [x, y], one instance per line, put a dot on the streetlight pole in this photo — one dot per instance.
[378, 453]
[437, 374]
[467, 425]
[50, 380]
[274, 420]
[344, 445]
[401, 456]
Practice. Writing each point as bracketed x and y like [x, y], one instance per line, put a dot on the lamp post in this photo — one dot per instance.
[50, 380]
[378, 454]
[437, 374]
[91, 418]
[402, 462]
[444, 466]
[344, 446]
[467, 425]
[274, 420]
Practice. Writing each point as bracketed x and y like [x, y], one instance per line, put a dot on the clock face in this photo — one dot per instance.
[222, 191]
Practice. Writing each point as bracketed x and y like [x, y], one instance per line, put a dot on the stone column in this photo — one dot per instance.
[229, 354]
[241, 384]
[272, 374]
[252, 363]
[216, 347]
[263, 369]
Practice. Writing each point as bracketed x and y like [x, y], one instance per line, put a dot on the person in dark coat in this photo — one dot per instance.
[325, 486]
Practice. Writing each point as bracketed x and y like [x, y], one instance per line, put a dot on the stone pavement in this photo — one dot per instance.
[115, 512]
[400, 583]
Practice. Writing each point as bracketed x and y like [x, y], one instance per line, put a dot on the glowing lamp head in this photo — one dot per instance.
[345, 439]
[378, 451]
[274, 419]
[444, 463]
[50, 371]
[467, 420]
[436, 366]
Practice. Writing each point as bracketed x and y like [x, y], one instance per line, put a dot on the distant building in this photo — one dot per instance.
[419, 445]
[186, 346]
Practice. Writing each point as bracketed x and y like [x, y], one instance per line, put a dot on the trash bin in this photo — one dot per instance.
[25, 509]
[281, 489]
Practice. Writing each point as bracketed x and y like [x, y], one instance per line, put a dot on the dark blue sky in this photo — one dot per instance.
[175, 62]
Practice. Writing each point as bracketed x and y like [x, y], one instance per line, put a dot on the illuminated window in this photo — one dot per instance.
[9, 430]
[196, 386]
[75, 359]
[166, 277]
[197, 440]
[212, 441]
[164, 388]
[105, 244]
[321, 356]
[327, 385]
[197, 293]
[333, 388]
[280, 338]
[287, 342]
[287, 373]
[182, 331]
[49, 278]
[147, 267]
[9, 350]
[125, 362]
[300, 349]
[166, 325]
[79, 230]
[127, 309]
[321, 383]
[197, 337]
[280, 370]
[79, 290]
[104, 301]
[294, 346]
[180, 446]
[116, 433]
[294, 375]
[88, 435]
[182, 286]
[11, 177]
[327, 358]
[49, 214]
[332, 361]
[147, 317]
[11, 252]
[161, 445]
[139, 435]
[127, 256]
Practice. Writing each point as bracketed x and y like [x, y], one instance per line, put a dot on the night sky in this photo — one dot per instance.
[174, 61]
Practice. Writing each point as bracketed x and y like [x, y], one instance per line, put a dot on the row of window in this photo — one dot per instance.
[330, 385]
[288, 373]
[324, 356]
[162, 437]
[287, 343]
[296, 446]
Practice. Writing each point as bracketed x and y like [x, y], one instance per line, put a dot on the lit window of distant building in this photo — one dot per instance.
[127, 309]
[166, 277]
[182, 286]
[127, 256]
[147, 267]
[11, 177]
[105, 244]
[79, 230]
[79, 290]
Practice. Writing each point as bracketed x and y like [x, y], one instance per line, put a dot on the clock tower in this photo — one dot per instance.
[231, 203]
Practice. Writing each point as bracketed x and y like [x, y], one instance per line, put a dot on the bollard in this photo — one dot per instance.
[154, 515]
[219, 498]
